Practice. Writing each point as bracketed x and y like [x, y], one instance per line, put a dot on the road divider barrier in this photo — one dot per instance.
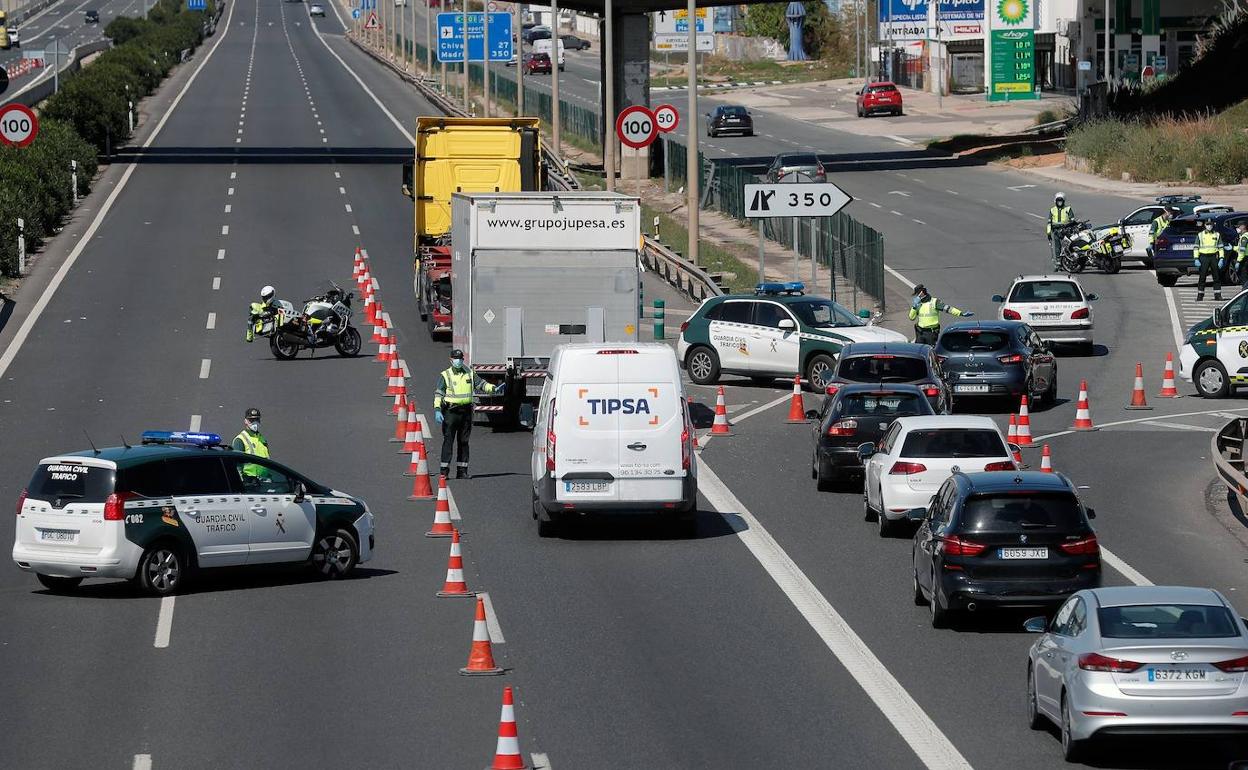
[720, 426]
[1083, 411]
[441, 513]
[454, 587]
[481, 655]
[1024, 423]
[1227, 450]
[507, 752]
[1138, 401]
[1168, 388]
[797, 409]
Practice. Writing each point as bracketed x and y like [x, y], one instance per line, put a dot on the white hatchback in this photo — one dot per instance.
[917, 454]
[1056, 306]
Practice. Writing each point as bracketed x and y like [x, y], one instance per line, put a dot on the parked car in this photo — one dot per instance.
[804, 165]
[1014, 539]
[574, 43]
[1173, 253]
[857, 413]
[1210, 358]
[1139, 223]
[879, 97]
[996, 359]
[729, 119]
[537, 64]
[891, 363]
[1055, 306]
[1139, 661]
[91, 17]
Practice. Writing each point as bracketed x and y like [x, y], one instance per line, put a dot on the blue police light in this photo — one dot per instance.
[181, 437]
[790, 287]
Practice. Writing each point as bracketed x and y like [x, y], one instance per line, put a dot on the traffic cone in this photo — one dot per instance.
[1083, 412]
[797, 410]
[507, 754]
[480, 657]
[370, 314]
[1168, 390]
[411, 435]
[383, 339]
[357, 265]
[393, 369]
[1046, 460]
[1137, 390]
[720, 426]
[454, 585]
[1024, 423]
[441, 513]
[363, 279]
[1012, 434]
[1016, 454]
[400, 426]
[398, 401]
[395, 387]
[421, 489]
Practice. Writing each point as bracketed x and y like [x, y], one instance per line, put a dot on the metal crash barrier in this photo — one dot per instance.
[1227, 450]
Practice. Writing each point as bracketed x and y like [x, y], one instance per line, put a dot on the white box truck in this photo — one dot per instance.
[534, 270]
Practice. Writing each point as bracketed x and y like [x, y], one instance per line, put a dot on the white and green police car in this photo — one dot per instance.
[1215, 354]
[177, 503]
[778, 331]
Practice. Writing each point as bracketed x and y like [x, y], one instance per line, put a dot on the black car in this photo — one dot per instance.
[997, 358]
[857, 414]
[1003, 539]
[892, 363]
[574, 43]
[729, 119]
[91, 17]
[1174, 251]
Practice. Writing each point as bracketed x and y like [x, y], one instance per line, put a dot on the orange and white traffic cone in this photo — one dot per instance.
[400, 426]
[1011, 435]
[411, 435]
[507, 753]
[419, 470]
[393, 369]
[1168, 389]
[1137, 390]
[399, 400]
[383, 341]
[481, 656]
[357, 265]
[1083, 411]
[454, 585]
[720, 426]
[1024, 423]
[797, 410]
[370, 314]
[396, 386]
[1046, 460]
[441, 513]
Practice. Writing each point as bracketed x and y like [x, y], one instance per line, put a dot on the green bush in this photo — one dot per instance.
[123, 29]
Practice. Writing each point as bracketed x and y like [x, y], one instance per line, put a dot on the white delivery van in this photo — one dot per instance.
[613, 435]
[545, 46]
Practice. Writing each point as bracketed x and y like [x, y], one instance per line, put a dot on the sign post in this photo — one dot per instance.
[671, 30]
[636, 128]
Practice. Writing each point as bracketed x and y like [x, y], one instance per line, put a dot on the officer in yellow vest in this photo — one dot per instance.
[1209, 259]
[452, 408]
[925, 312]
[1241, 254]
[1059, 214]
[1159, 224]
[253, 442]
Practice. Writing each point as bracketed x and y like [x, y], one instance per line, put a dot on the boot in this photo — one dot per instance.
[1200, 296]
[1217, 296]
[445, 470]
[462, 472]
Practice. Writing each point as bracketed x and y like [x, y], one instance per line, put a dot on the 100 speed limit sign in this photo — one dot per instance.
[636, 127]
[18, 125]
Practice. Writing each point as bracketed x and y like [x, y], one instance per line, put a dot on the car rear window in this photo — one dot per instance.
[881, 89]
[883, 368]
[71, 482]
[1183, 227]
[736, 111]
[1046, 291]
[882, 405]
[1022, 512]
[799, 160]
[953, 442]
[976, 341]
[1166, 621]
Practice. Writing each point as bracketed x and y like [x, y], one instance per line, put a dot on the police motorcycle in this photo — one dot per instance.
[1083, 245]
[325, 321]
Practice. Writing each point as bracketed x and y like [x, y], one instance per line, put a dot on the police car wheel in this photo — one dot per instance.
[818, 371]
[335, 554]
[59, 585]
[1210, 379]
[703, 365]
[161, 570]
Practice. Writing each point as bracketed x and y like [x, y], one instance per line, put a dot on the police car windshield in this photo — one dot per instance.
[824, 314]
[71, 481]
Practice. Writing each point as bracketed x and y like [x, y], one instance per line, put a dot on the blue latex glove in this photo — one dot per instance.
[437, 416]
[967, 314]
[914, 303]
[1196, 261]
[502, 386]
[1220, 263]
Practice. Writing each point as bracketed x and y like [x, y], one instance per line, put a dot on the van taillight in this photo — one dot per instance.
[931, 391]
[956, 546]
[616, 352]
[21, 501]
[686, 458]
[550, 439]
[1162, 242]
[115, 506]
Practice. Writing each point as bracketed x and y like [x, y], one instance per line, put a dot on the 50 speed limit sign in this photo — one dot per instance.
[18, 125]
[635, 127]
[666, 118]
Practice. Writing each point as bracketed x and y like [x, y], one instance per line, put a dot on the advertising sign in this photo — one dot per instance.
[1011, 59]
[907, 19]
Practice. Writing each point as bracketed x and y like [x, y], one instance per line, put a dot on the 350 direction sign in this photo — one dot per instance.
[794, 200]
[636, 127]
[18, 125]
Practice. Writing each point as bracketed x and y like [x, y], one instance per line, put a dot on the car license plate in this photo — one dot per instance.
[970, 388]
[58, 535]
[586, 486]
[1184, 246]
[1024, 553]
[1045, 316]
[1177, 675]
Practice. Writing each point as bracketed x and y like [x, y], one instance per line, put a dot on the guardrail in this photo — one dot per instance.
[34, 93]
[682, 274]
[1227, 449]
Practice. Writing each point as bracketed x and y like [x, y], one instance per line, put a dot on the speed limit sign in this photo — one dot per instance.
[666, 118]
[18, 125]
[635, 126]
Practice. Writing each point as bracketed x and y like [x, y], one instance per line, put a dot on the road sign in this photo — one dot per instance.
[451, 37]
[677, 22]
[666, 118]
[635, 127]
[372, 22]
[822, 199]
[196, 5]
[673, 42]
[18, 125]
[355, 13]
[368, 5]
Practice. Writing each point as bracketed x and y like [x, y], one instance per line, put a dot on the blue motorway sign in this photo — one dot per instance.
[368, 5]
[451, 37]
[196, 5]
[355, 13]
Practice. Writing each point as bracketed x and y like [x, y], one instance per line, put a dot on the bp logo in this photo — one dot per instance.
[1012, 11]
[1243, 348]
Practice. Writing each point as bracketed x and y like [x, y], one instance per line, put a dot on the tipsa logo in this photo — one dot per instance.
[622, 405]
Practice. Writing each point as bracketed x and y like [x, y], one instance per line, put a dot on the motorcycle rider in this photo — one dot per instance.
[452, 409]
[925, 312]
[266, 305]
[1209, 260]
[1059, 215]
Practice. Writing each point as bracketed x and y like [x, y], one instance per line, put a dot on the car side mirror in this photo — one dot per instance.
[301, 492]
[1091, 512]
[409, 179]
[917, 515]
[858, 92]
[1219, 317]
[812, 414]
[1036, 625]
[865, 450]
[1092, 297]
[787, 324]
[998, 298]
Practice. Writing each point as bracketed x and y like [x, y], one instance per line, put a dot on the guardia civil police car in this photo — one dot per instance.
[778, 331]
[1215, 354]
[178, 502]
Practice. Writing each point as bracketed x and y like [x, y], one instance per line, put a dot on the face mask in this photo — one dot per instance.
[458, 363]
[254, 426]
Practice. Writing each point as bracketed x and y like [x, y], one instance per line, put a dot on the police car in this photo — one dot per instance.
[1215, 354]
[1138, 225]
[778, 331]
[178, 502]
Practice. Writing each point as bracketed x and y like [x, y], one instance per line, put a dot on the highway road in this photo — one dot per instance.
[782, 635]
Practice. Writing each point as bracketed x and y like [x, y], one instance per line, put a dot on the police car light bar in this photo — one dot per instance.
[181, 437]
[790, 287]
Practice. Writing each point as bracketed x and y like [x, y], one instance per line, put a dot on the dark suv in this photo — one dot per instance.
[1174, 251]
[729, 118]
[1003, 539]
[857, 414]
[997, 358]
[892, 363]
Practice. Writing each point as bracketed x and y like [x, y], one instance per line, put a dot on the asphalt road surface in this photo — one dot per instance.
[782, 635]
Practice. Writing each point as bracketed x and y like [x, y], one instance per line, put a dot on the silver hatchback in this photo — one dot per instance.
[1144, 660]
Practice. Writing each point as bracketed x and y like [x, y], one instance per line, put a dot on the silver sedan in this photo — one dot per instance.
[1139, 660]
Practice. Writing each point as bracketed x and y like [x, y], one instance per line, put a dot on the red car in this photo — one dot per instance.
[879, 97]
[537, 64]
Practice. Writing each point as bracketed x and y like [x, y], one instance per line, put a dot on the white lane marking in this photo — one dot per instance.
[918, 730]
[1131, 422]
[737, 419]
[952, 192]
[220, 253]
[212, 321]
[1037, 216]
[337, 175]
[1175, 326]
[342, 190]
[902, 193]
[1002, 205]
[233, 174]
[424, 427]
[142, 761]
[216, 283]
[1126, 570]
[397, 124]
[918, 221]
[900, 139]
[878, 206]
[491, 620]
[450, 502]
[355, 229]
[1181, 426]
[1227, 415]
[196, 421]
[164, 622]
[540, 761]
[225, 229]
[40, 304]
[230, 191]
[347, 206]
[1018, 187]
[896, 212]
[205, 365]
[908, 283]
[228, 208]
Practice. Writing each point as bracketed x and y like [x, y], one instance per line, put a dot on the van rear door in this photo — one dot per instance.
[652, 421]
[587, 456]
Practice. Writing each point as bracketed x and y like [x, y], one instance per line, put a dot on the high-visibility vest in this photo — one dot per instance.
[929, 314]
[458, 387]
[1159, 224]
[1208, 242]
[254, 444]
[1242, 245]
[1060, 216]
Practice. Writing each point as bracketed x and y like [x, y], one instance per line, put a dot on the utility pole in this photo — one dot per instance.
[554, 75]
[442, 9]
[516, 24]
[467, 104]
[1107, 59]
[692, 168]
[608, 77]
[485, 60]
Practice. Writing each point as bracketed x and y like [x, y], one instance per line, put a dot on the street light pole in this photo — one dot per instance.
[467, 104]
[516, 28]
[692, 167]
[485, 60]
[608, 115]
[554, 74]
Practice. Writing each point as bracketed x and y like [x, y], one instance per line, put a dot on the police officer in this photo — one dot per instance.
[1160, 223]
[925, 312]
[1060, 214]
[253, 442]
[1241, 253]
[267, 304]
[1209, 259]
[452, 408]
